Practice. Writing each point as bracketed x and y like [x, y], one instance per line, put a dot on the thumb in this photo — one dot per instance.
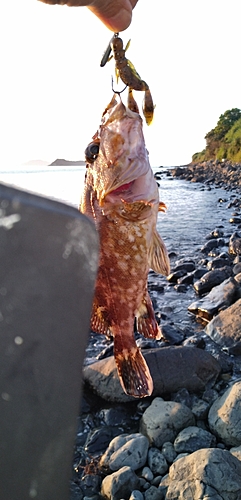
[116, 15]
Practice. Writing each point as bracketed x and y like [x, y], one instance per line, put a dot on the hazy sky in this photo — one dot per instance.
[53, 91]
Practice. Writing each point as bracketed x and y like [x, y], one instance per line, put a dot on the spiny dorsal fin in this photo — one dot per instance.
[158, 257]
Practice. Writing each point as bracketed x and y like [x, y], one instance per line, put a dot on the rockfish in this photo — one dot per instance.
[121, 196]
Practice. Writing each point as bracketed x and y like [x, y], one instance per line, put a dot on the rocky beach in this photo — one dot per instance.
[183, 442]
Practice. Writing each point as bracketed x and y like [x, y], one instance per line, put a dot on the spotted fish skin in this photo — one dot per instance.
[121, 196]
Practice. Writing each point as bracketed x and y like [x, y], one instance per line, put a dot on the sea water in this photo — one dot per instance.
[192, 211]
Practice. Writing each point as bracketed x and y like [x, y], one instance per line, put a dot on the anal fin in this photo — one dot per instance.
[134, 374]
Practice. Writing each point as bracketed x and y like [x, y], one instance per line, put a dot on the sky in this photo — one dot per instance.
[53, 90]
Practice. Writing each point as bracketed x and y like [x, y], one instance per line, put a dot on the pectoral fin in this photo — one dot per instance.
[158, 258]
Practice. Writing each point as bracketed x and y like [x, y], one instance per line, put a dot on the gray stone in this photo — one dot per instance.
[172, 368]
[157, 461]
[225, 329]
[154, 493]
[163, 420]
[136, 495]
[147, 474]
[224, 416]
[220, 297]
[208, 473]
[193, 438]
[200, 408]
[168, 452]
[126, 450]
[120, 484]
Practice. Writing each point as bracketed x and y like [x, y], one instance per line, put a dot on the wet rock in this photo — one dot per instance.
[163, 420]
[187, 266]
[235, 244]
[193, 438]
[126, 450]
[216, 233]
[175, 275]
[218, 263]
[157, 461]
[172, 368]
[220, 297]
[214, 243]
[224, 416]
[207, 473]
[211, 279]
[225, 328]
[186, 280]
[120, 484]
[171, 334]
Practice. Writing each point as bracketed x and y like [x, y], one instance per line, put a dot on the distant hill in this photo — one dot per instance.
[61, 162]
[224, 141]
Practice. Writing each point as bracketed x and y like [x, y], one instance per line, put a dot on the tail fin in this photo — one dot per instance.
[146, 321]
[133, 372]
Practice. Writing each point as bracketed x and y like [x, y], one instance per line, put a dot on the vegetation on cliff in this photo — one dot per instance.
[223, 141]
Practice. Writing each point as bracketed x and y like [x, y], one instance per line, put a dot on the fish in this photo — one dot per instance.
[121, 196]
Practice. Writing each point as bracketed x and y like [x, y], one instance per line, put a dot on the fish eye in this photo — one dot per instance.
[92, 152]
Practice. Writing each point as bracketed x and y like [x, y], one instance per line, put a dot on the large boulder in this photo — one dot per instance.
[163, 420]
[172, 368]
[224, 416]
[208, 473]
[225, 328]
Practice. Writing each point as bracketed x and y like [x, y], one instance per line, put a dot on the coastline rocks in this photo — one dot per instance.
[126, 450]
[225, 328]
[172, 368]
[224, 416]
[220, 297]
[206, 473]
[163, 420]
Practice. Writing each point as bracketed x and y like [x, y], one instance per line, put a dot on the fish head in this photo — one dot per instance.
[121, 171]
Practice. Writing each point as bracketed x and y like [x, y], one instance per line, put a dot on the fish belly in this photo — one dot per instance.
[121, 289]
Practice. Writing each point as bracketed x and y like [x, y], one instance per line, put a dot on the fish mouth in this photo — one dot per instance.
[123, 188]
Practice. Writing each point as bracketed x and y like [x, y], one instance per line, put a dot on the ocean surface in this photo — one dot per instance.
[192, 210]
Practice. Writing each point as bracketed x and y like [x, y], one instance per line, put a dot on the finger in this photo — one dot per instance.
[116, 15]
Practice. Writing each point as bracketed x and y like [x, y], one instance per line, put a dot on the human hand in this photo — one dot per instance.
[115, 14]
